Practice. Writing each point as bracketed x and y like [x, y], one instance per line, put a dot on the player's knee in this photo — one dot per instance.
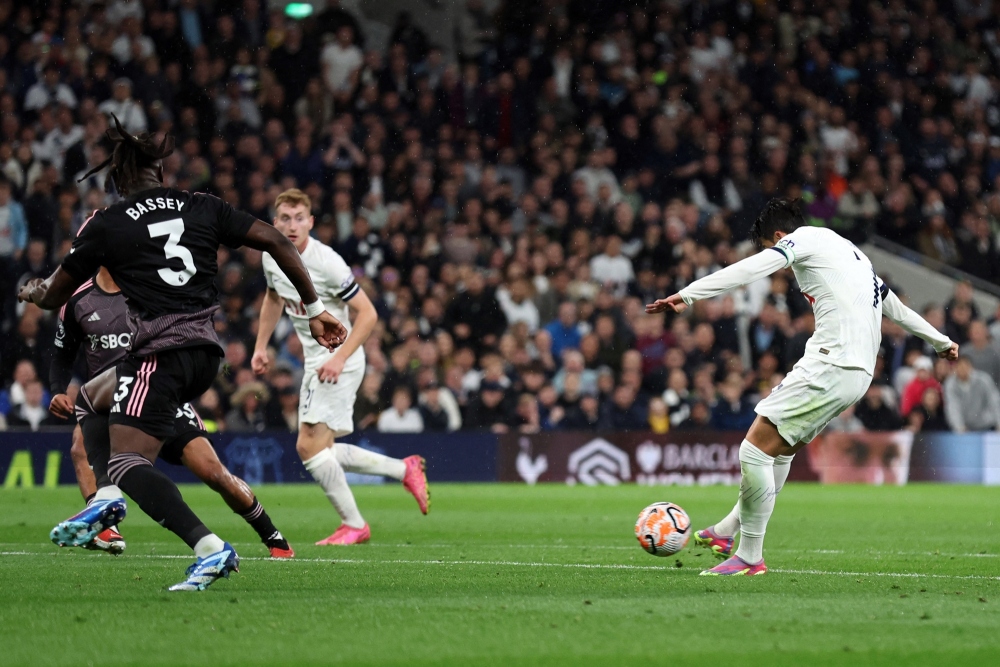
[312, 440]
[77, 452]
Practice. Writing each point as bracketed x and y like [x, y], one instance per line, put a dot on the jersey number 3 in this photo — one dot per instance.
[173, 229]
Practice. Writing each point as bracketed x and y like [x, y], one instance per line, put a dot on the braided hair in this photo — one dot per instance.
[132, 155]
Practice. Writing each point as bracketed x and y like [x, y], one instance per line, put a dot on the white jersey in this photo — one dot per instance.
[335, 286]
[847, 296]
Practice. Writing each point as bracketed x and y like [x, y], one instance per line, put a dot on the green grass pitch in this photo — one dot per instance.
[512, 575]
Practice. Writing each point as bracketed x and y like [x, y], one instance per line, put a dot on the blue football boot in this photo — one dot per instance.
[81, 528]
[206, 571]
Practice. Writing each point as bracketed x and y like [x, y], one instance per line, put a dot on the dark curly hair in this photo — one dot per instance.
[132, 155]
[779, 215]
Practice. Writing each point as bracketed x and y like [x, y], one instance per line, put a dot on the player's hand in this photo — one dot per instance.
[328, 331]
[951, 354]
[61, 406]
[24, 294]
[331, 370]
[260, 362]
[673, 302]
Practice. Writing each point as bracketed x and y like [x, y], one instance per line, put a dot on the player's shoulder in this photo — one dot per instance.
[809, 240]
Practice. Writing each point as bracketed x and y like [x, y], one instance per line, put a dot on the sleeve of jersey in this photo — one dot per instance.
[911, 322]
[233, 223]
[87, 254]
[342, 276]
[68, 339]
[741, 273]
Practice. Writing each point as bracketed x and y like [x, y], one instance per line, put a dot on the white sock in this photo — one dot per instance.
[108, 493]
[326, 470]
[730, 525]
[782, 464]
[756, 501]
[208, 545]
[356, 459]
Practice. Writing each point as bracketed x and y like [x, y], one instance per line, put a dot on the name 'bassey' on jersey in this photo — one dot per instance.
[160, 246]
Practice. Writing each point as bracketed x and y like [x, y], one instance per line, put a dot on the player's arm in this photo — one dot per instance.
[365, 318]
[270, 313]
[51, 293]
[83, 261]
[69, 336]
[325, 328]
[741, 273]
[911, 322]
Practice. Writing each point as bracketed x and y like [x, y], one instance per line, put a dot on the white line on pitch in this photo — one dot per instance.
[510, 563]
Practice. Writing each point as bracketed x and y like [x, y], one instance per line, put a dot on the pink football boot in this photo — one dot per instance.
[735, 565]
[720, 545]
[415, 481]
[347, 535]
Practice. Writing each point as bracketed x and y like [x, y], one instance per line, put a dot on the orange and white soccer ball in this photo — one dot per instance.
[663, 529]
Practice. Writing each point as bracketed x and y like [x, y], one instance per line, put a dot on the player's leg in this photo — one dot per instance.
[150, 391]
[315, 448]
[88, 528]
[756, 500]
[84, 475]
[200, 458]
[720, 538]
[96, 443]
[333, 405]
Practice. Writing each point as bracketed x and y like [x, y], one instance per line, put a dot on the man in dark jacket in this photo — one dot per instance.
[474, 316]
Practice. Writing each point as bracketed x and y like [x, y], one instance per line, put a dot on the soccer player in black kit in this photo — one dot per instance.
[96, 318]
[160, 245]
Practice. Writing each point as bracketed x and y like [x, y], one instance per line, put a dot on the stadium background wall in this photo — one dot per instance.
[686, 458]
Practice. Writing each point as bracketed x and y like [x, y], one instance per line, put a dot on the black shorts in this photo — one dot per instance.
[151, 389]
[187, 427]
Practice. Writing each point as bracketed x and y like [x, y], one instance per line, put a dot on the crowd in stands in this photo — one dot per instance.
[510, 206]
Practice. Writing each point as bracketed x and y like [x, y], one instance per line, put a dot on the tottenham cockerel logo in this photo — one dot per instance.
[599, 462]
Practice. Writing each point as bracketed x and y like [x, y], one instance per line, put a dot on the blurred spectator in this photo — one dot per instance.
[402, 417]
[915, 388]
[971, 399]
[490, 410]
[929, 415]
[732, 412]
[874, 413]
[846, 422]
[30, 413]
[983, 353]
[247, 414]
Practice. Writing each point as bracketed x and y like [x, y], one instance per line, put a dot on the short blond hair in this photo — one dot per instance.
[293, 198]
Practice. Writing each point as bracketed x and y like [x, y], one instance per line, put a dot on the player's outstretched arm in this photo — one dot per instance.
[741, 273]
[270, 313]
[51, 293]
[325, 328]
[911, 322]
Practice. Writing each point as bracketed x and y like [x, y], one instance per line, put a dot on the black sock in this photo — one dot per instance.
[157, 496]
[97, 444]
[257, 517]
[88, 499]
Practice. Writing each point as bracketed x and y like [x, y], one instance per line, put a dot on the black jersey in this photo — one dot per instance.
[99, 322]
[160, 246]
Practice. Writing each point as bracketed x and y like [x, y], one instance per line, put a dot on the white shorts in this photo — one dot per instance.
[810, 396]
[329, 403]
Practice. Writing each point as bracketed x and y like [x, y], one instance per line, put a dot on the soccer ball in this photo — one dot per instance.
[663, 529]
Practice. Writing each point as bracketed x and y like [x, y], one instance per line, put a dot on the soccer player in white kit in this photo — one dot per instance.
[331, 381]
[848, 300]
